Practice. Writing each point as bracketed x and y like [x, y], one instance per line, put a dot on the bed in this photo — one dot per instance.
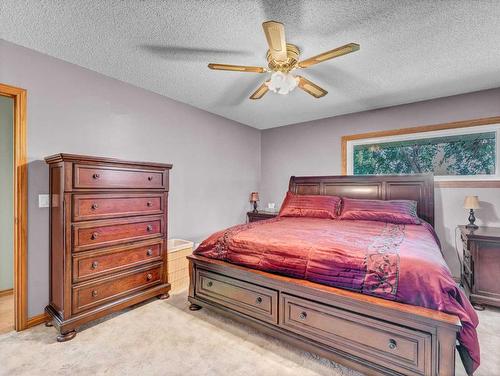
[306, 280]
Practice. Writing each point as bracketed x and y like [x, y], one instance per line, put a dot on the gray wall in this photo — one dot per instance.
[313, 148]
[217, 162]
[74, 110]
[6, 193]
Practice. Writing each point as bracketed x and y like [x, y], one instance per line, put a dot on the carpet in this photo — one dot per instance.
[162, 337]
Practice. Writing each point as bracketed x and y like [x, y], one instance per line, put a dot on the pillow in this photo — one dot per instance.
[315, 206]
[393, 211]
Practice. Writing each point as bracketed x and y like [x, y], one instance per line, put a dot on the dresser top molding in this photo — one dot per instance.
[75, 157]
[482, 233]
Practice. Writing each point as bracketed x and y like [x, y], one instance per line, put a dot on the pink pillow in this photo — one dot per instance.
[393, 211]
[315, 206]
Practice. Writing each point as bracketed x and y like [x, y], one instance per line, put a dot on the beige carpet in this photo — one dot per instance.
[165, 338]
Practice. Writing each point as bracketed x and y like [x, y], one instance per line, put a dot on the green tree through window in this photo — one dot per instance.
[471, 154]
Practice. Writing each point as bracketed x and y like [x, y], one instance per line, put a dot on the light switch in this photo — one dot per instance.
[43, 201]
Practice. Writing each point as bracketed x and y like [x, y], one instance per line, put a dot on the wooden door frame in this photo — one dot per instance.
[20, 205]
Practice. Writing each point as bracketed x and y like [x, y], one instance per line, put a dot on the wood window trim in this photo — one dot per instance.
[428, 128]
[19, 97]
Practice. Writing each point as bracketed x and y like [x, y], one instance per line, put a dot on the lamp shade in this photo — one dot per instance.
[254, 197]
[471, 202]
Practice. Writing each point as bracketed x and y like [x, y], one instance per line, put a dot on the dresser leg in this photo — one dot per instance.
[194, 307]
[63, 337]
[479, 307]
[163, 296]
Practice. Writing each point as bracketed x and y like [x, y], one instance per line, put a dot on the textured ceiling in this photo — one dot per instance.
[410, 50]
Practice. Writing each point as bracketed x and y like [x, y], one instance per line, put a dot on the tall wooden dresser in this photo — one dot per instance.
[108, 231]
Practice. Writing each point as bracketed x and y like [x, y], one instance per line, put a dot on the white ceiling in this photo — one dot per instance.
[410, 50]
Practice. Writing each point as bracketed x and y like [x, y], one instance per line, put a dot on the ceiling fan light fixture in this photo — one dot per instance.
[283, 58]
[282, 83]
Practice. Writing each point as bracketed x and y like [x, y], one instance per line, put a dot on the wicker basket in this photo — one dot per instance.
[177, 266]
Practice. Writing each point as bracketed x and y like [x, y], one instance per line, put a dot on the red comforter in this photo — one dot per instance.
[396, 262]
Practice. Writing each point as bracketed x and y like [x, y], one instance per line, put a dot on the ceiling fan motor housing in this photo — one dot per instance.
[287, 65]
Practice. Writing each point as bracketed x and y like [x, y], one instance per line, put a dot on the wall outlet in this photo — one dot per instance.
[43, 201]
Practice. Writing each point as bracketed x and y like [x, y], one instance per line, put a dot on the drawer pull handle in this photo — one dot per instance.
[149, 277]
[149, 228]
[94, 293]
[149, 204]
[149, 252]
[392, 344]
[303, 315]
[94, 236]
[150, 178]
[258, 300]
[95, 264]
[96, 176]
[94, 206]
[210, 284]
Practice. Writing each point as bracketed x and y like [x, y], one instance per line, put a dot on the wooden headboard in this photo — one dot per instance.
[419, 188]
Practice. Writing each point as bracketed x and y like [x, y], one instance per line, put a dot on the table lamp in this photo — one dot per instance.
[471, 203]
[254, 197]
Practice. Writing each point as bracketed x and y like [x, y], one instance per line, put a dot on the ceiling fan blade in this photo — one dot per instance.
[348, 48]
[259, 93]
[236, 68]
[311, 88]
[275, 35]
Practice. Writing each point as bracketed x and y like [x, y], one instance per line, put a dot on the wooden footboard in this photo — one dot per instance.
[369, 334]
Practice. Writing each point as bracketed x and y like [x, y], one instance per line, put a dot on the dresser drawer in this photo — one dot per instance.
[96, 293]
[255, 301]
[95, 234]
[107, 177]
[377, 341]
[88, 207]
[92, 264]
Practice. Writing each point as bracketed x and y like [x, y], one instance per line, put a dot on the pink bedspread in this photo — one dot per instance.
[396, 262]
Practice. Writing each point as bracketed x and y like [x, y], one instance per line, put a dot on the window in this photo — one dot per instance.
[452, 154]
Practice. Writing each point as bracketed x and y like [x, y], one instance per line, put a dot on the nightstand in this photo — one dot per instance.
[481, 265]
[260, 215]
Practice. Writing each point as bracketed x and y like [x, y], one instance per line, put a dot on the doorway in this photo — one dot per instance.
[13, 209]
[6, 214]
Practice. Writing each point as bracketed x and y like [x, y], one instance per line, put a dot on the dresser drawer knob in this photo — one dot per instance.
[96, 176]
[392, 344]
[210, 284]
[149, 252]
[150, 178]
[95, 264]
[303, 315]
[94, 236]
[149, 277]
[258, 300]
[149, 228]
[94, 206]
[149, 204]
[94, 293]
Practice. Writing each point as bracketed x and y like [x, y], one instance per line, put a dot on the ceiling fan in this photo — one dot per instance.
[282, 59]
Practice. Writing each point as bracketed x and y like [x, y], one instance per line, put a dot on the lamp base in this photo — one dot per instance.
[472, 219]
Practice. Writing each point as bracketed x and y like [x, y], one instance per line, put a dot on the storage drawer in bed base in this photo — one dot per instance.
[374, 336]
[246, 298]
